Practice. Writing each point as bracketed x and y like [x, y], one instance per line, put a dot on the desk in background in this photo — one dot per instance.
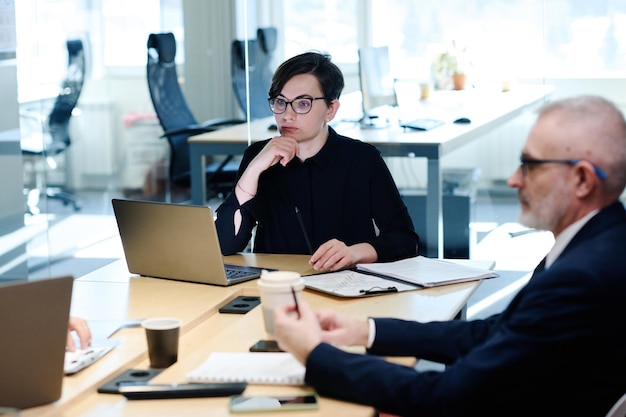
[486, 111]
[113, 293]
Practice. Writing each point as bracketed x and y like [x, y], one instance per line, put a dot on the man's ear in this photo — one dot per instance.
[586, 178]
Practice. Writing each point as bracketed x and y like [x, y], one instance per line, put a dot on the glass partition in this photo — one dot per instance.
[117, 149]
[112, 139]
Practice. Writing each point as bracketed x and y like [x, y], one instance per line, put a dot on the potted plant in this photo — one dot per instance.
[449, 67]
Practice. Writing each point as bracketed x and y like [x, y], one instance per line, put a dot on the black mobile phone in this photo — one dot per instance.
[255, 403]
[265, 346]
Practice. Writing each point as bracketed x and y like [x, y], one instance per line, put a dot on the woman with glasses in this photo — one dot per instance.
[310, 190]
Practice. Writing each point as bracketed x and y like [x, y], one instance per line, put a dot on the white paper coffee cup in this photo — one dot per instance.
[275, 288]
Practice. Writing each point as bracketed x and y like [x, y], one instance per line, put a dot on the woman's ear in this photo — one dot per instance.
[333, 107]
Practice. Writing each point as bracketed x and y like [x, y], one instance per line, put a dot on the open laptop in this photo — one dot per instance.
[33, 323]
[175, 241]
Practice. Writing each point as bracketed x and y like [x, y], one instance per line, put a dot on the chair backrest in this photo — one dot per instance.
[168, 100]
[267, 38]
[259, 71]
[72, 86]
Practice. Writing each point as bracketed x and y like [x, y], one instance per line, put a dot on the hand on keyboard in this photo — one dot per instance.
[81, 358]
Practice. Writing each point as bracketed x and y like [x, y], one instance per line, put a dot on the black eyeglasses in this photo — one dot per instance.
[524, 162]
[302, 105]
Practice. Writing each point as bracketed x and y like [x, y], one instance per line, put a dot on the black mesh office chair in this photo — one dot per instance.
[178, 122]
[56, 128]
[267, 38]
[260, 71]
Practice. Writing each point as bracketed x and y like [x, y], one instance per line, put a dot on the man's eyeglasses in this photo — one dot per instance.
[300, 105]
[524, 162]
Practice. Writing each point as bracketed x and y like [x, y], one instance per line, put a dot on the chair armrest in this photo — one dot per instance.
[208, 126]
[221, 122]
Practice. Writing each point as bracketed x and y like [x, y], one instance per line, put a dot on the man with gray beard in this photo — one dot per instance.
[558, 347]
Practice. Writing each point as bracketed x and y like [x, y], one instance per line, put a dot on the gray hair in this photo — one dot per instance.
[601, 128]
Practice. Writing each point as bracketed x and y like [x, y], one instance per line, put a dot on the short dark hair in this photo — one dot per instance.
[329, 76]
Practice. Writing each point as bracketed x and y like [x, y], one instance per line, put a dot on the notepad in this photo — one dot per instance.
[270, 368]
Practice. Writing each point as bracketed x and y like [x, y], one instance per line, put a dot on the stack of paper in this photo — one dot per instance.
[427, 272]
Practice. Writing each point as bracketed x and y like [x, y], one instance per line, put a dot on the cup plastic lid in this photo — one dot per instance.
[280, 276]
[161, 323]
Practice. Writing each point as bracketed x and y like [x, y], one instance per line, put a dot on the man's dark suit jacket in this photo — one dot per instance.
[559, 348]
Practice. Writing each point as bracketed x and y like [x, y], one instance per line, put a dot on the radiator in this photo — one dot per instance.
[94, 150]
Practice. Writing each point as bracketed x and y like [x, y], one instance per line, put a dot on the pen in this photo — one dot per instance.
[295, 300]
[306, 236]
[378, 290]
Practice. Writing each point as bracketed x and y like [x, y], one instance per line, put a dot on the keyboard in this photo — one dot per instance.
[232, 273]
[422, 124]
[82, 358]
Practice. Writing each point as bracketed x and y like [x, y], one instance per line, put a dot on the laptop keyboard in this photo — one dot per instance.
[232, 273]
[422, 124]
[81, 358]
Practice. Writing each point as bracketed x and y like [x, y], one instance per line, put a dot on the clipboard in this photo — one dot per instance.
[404, 275]
[353, 284]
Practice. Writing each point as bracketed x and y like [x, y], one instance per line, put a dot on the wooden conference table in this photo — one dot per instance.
[112, 293]
[486, 110]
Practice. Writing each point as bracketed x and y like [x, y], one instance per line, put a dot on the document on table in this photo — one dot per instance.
[349, 283]
[427, 272]
[404, 275]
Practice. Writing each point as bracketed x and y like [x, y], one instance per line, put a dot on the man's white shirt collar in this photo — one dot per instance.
[565, 237]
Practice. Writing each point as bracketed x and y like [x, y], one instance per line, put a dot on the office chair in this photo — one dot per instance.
[259, 72]
[55, 138]
[267, 38]
[178, 122]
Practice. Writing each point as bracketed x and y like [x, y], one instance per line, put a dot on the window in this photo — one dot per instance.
[114, 33]
[501, 38]
[126, 25]
[518, 38]
[323, 25]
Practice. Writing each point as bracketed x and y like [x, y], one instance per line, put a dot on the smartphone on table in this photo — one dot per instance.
[256, 403]
[265, 346]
